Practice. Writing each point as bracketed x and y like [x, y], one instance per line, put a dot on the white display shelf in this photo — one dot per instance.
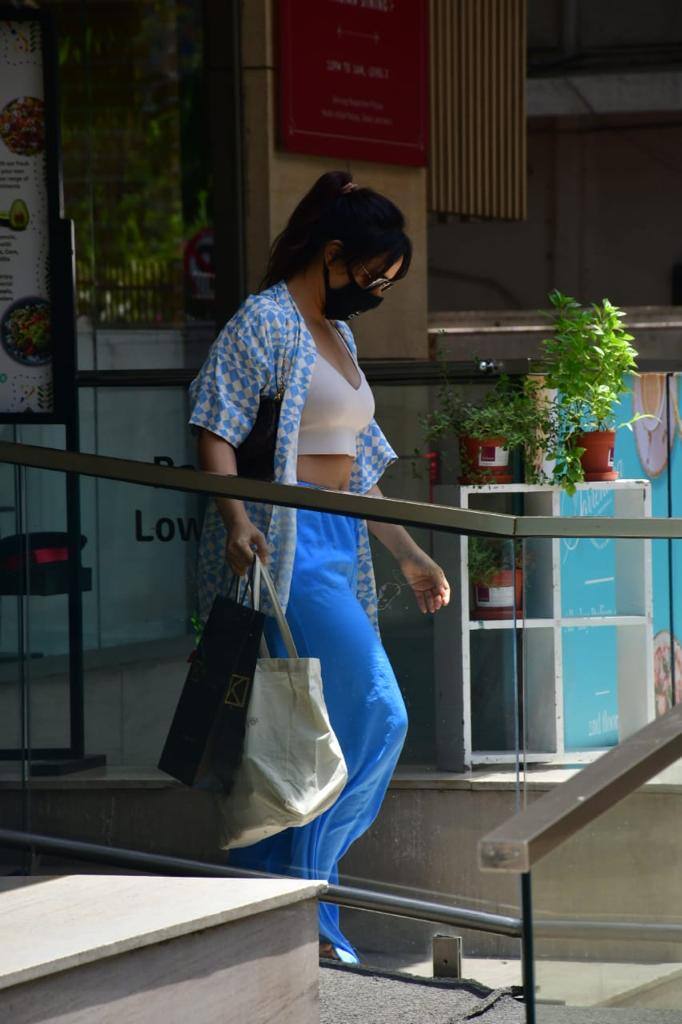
[520, 623]
[595, 621]
[468, 652]
[565, 758]
[606, 485]
[566, 622]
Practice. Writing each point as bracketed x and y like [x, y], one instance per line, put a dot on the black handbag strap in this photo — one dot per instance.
[283, 385]
[234, 584]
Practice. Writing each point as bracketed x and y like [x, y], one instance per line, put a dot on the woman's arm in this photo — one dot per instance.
[427, 579]
[218, 456]
[394, 537]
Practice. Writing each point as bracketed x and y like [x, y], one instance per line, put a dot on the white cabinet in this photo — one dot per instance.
[573, 673]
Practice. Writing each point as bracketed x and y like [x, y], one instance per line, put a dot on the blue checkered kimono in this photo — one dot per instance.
[264, 343]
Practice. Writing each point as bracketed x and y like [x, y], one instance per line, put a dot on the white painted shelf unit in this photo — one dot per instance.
[486, 646]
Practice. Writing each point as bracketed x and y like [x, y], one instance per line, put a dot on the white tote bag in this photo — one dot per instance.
[292, 767]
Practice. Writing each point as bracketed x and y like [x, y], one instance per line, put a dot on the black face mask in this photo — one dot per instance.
[348, 301]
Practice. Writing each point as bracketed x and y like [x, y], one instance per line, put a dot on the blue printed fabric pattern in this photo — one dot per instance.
[264, 344]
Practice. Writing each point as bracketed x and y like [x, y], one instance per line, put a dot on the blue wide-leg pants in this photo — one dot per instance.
[363, 699]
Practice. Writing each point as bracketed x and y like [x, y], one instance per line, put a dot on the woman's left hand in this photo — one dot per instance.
[427, 579]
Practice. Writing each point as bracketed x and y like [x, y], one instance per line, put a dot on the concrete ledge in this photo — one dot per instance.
[538, 779]
[609, 92]
[115, 777]
[51, 925]
[150, 950]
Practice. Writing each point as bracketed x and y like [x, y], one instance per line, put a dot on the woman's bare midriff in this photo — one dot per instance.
[326, 470]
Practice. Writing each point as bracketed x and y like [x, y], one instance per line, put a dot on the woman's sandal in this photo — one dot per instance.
[327, 951]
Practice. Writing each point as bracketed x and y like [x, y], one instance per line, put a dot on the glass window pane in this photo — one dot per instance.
[138, 178]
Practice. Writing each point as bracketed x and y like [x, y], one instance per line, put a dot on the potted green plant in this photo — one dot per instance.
[496, 578]
[511, 417]
[587, 361]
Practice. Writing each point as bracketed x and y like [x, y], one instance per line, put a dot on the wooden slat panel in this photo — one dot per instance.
[477, 162]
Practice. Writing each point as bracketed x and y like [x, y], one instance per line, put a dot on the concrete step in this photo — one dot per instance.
[98, 949]
[626, 985]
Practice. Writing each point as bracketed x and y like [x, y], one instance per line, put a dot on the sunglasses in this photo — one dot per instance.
[382, 283]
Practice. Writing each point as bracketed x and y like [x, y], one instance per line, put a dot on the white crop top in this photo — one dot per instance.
[334, 412]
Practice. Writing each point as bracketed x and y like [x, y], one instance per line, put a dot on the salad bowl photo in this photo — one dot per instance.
[22, 125]
[25, 331]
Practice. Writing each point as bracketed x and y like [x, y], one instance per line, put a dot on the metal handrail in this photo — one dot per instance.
[379, 372]
[600, 528]
[520, 842]
[388, 510]
[342, 895]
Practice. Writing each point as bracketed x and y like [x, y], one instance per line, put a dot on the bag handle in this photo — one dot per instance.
[261, 574]
[232, 585]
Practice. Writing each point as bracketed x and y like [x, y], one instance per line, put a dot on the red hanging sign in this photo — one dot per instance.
[353, 79]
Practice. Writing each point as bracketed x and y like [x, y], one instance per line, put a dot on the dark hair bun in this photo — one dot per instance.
[365, 222]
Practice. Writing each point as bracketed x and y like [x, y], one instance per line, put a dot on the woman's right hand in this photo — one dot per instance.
[218, 456]
[243, 539]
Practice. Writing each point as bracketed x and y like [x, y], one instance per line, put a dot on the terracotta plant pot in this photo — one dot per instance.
[497, 599]
[484, 461]
[597, 459]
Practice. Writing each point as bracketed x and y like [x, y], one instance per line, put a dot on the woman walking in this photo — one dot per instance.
[342, 250]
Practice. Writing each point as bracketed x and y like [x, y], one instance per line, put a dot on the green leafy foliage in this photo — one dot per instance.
[138, 170]
[586, 360]
[488, 557]
[513, 409]
[197, 626]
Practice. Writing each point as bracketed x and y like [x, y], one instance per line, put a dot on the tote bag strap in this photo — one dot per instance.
[262, 575]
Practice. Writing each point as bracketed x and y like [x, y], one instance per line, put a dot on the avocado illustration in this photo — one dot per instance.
[16, 218]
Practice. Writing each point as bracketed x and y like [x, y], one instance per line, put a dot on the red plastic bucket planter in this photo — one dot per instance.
[484, 461]
[498, 598]
[597, 459]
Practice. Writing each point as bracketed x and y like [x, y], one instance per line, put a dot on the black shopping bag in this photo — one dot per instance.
[206, 737]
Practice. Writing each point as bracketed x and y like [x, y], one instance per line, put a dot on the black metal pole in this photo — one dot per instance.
[73, 511]
[76, 687]
[527, 955]
[222, 63]
[23, 651]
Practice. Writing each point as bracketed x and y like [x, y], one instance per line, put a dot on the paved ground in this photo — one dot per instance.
[350, 995]
[605, 1015]
[360, 996]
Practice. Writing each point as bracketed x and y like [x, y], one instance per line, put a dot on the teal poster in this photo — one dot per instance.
[651, 450]
[588, 590]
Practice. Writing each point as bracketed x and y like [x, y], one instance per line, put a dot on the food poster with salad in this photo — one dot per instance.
[26, 379]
